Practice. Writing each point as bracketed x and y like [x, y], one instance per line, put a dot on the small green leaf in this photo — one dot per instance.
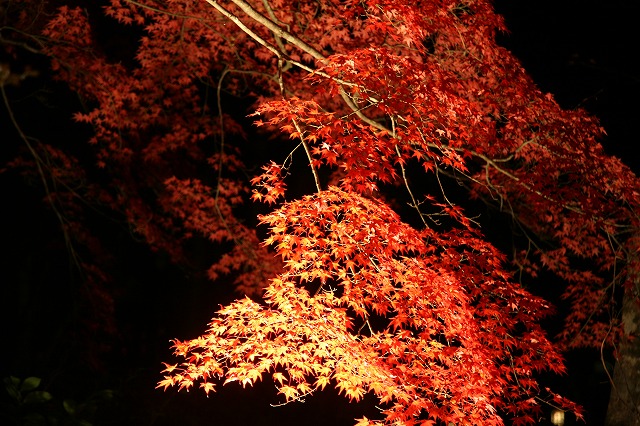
[37, 397]
[104, 395]
[69, 406]
[11, 381]
[11, 384]
[30, 383]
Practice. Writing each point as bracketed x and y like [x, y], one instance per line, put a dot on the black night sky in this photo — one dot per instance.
[581, 51]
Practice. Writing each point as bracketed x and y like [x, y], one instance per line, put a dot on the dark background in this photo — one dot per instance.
[581, 51]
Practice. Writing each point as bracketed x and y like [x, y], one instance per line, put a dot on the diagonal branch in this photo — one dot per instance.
[272, 26]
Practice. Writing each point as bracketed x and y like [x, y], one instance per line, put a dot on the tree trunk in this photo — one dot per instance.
[624, 402]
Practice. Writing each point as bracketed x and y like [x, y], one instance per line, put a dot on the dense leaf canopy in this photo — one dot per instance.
[388, 103]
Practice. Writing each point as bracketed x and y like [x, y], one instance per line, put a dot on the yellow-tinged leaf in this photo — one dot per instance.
[364, 422]
[168, 381]
[169, 368]
[208, 387]
[303, 388]
[289, 392]
[279, 377]
[322, 381]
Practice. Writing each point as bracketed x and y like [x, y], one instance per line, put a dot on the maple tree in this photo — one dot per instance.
[388, 102]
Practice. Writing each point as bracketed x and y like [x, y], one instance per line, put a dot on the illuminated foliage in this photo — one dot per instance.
[382, 97]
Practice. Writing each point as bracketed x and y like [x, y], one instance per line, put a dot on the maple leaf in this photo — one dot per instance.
[424, 316]
[207, 387]
[289, 392]
[364, 422]
[166, 382]
[169, 368]
[322, 381]
[279, 377]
